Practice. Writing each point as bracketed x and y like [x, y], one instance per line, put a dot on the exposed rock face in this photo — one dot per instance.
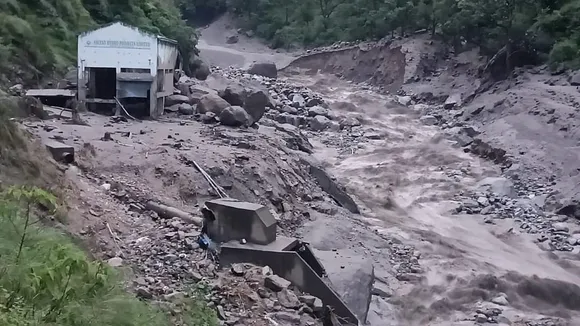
[212, 103]
[185, 109]
[265, 69]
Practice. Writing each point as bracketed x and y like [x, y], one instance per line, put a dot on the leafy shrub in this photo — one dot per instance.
[565, 51]
[46, 280]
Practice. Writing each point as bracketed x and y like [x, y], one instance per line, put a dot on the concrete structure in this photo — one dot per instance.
[227, 221]
[294, 261]
[124, 62]
[236, 220]
[60, 152]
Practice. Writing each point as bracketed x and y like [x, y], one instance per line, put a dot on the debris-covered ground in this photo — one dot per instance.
[447, 198]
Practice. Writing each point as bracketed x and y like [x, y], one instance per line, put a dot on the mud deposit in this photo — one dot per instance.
[380, 65]
[452, 238]
[407, 178]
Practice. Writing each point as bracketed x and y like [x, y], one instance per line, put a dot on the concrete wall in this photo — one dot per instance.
[167, 54]
[236, 220]
[289, 265]
[124, 47]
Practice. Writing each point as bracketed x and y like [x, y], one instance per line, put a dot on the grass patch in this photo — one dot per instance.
[46, 280]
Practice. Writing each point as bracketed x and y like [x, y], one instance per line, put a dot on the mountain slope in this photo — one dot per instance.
[38, 37]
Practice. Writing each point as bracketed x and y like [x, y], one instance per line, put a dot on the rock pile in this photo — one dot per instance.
[244, 103]
[514, 196]
[170, 258]
[500, 198]
[232, 105]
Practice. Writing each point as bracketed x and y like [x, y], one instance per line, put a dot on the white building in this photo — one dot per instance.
[124, 62]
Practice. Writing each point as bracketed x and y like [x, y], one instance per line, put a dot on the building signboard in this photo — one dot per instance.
[118, 44]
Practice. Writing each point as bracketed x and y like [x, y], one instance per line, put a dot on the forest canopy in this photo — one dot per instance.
[39, 37]
[549, 29]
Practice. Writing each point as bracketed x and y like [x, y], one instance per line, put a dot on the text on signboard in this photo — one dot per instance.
[119, 44]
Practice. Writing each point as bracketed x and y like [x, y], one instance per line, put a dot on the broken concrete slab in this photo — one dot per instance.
[290, 266]
[352, 277]
[237, 220]
[60, 152]
[332, 187]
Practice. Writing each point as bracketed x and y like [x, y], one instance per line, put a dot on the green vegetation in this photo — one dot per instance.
[46, 280]
[542, 29]
[38, 37]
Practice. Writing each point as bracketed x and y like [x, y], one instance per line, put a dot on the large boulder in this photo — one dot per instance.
[184, 87]
[196, 92]
[319, 123]
[202, 71]
[318, 110]
[174, 99]
[266, 69]
[235, 116]
[232, 39]
[197, 68]
[255, 103]
[211, 103]
[298, 101]
[233, 94]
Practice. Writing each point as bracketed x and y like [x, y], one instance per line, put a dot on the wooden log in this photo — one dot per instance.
[168, 212]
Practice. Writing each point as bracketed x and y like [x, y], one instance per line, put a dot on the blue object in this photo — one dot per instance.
[204, 241]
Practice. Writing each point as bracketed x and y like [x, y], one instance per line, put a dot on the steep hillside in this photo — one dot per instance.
[529, 31]
[38, 37]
